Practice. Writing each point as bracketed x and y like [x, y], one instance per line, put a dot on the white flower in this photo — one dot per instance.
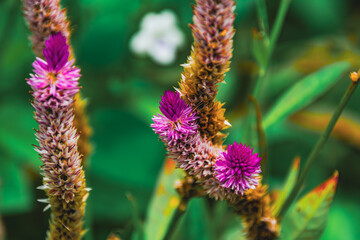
[158, 37]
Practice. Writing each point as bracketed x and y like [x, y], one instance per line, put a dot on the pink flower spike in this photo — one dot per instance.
[238, 168]
[55, 80]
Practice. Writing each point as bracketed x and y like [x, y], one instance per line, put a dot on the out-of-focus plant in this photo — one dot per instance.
[159, 37]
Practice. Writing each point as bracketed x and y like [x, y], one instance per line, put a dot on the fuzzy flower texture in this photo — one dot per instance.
[55, 81]
[232, 171]
[54, 85]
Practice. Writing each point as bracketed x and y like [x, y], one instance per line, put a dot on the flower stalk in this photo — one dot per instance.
[192, 131]
[319, 145]
[54, 84]
[46, 17]
[209, 61]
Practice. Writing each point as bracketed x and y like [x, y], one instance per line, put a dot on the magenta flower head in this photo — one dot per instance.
[238, 168]
[55, 81]
[178, 119]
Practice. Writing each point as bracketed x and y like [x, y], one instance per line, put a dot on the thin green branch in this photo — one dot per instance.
[263, 16]
[316, 150]
[279, 21]
[263, 149]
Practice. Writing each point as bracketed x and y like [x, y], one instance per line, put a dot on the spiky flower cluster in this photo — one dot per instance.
[233, 174]
[235, 170]
[177, 121]
[238, 168]
[255, 209]
[45, 17]
[55, 81]
[54, 85]
[209, 61]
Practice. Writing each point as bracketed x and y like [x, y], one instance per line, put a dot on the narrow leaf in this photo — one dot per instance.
[308, 218]
[260, 48]
[304, 92]
[289, 184]
[164, 202]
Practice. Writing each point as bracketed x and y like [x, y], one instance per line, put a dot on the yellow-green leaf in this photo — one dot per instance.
[308, 217]
[164, 202]
[289, 184]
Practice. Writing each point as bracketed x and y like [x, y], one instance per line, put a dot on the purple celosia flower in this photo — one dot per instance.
[55, 81]
[54, 85]
[238, 168]
[178, 119]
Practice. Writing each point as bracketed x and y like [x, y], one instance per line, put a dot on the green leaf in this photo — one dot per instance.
[304, 92]
[236, 231]
[289, 184]
[195, 225]
[308, 218]
[164, 202]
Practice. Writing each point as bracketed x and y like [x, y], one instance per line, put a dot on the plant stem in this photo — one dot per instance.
[284, 5]
[316, 150]
[261, 139]
[263, 17]
[180, 210]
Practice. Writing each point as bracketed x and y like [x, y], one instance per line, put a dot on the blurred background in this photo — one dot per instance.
[130, 51]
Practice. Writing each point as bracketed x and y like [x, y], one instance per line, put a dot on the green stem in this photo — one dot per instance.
[263, 17]
[284, 5]
[179, 212]
[316, 150]
[279, 21]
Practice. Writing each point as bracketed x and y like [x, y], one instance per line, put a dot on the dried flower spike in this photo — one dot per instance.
[45, 17]
[209, 61]
[238, 168]
[54, 85]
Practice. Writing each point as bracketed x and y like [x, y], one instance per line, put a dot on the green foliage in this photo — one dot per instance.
[17, 133]
[195, 223]
[308, 217]
[15, 192]
[127, 156]
[117, 160]
[288, 185]
[164, 202]
[260, 49]
[304, 92]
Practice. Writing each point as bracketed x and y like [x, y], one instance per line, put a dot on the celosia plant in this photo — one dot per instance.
[46, 17]
[192, 120]
[54, 84]
[190, 124]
